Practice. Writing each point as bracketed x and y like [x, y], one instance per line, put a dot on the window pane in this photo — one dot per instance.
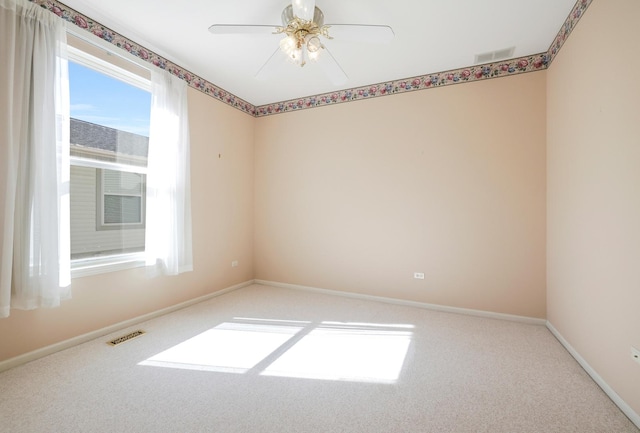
[88, 238]
[109, 128]
[101, 143]
[120, 209]
[120, 182]
[102, 100]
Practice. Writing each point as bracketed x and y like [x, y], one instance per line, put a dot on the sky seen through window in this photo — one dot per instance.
[106, 101]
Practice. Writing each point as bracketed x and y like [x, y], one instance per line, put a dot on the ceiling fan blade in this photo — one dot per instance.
[304, 9]
[361, 33]
[241, 29]
[332, 68]
[269, 68]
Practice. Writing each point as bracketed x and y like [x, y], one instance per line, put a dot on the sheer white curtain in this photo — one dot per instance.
[168, 211]
[34, 152]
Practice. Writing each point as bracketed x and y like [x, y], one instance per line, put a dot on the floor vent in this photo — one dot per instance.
[124, 338]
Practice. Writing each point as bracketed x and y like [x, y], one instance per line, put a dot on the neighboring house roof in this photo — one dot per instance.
[89, 140]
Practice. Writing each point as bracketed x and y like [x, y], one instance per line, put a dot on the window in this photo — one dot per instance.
[110, 109]
[120, 200]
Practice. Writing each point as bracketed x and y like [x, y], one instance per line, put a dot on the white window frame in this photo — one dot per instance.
[116, 262]
[101, 224]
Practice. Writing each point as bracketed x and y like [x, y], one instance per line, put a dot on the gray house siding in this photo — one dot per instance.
[86, 239]
[92, 141]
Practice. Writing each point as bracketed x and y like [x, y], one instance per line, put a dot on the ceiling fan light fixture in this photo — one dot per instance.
[302, 42]
[300, 49]
[288, 45]
[303, 28]
[314, 56]
[314, 45]
[303, 8]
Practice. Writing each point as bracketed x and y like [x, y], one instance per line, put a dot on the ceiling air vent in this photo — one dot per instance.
[492, 56]
[124, 338]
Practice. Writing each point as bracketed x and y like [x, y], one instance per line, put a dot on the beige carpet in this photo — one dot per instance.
[264, 359]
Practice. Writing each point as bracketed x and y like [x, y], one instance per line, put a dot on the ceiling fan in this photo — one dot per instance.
[303, 26]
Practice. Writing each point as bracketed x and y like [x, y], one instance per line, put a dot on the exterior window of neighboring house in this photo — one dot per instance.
[110, 108]
[120, 200]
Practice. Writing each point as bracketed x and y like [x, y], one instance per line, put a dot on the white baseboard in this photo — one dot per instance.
[48, 350]
[624, 407]
[434, 307]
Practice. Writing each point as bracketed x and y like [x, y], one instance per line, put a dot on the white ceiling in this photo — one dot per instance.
[430, 36]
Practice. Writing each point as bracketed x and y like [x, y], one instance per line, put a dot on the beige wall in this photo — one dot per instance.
[460, 183]
[593, 117]
[450, 182]
[222, 206]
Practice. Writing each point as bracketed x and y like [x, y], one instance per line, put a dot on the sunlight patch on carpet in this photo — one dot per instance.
[356, 352]
[229, 347]
[349, 352]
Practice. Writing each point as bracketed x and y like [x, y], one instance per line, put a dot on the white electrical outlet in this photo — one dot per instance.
[635, 354]
[234, 264]
[418, 275]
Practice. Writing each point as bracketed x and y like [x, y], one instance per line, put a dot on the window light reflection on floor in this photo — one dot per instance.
[229, 347]
[361, 352]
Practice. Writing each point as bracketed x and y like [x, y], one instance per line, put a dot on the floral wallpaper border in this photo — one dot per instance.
[520, 65]
[429, 81]
[86, 23]
[572, 20]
